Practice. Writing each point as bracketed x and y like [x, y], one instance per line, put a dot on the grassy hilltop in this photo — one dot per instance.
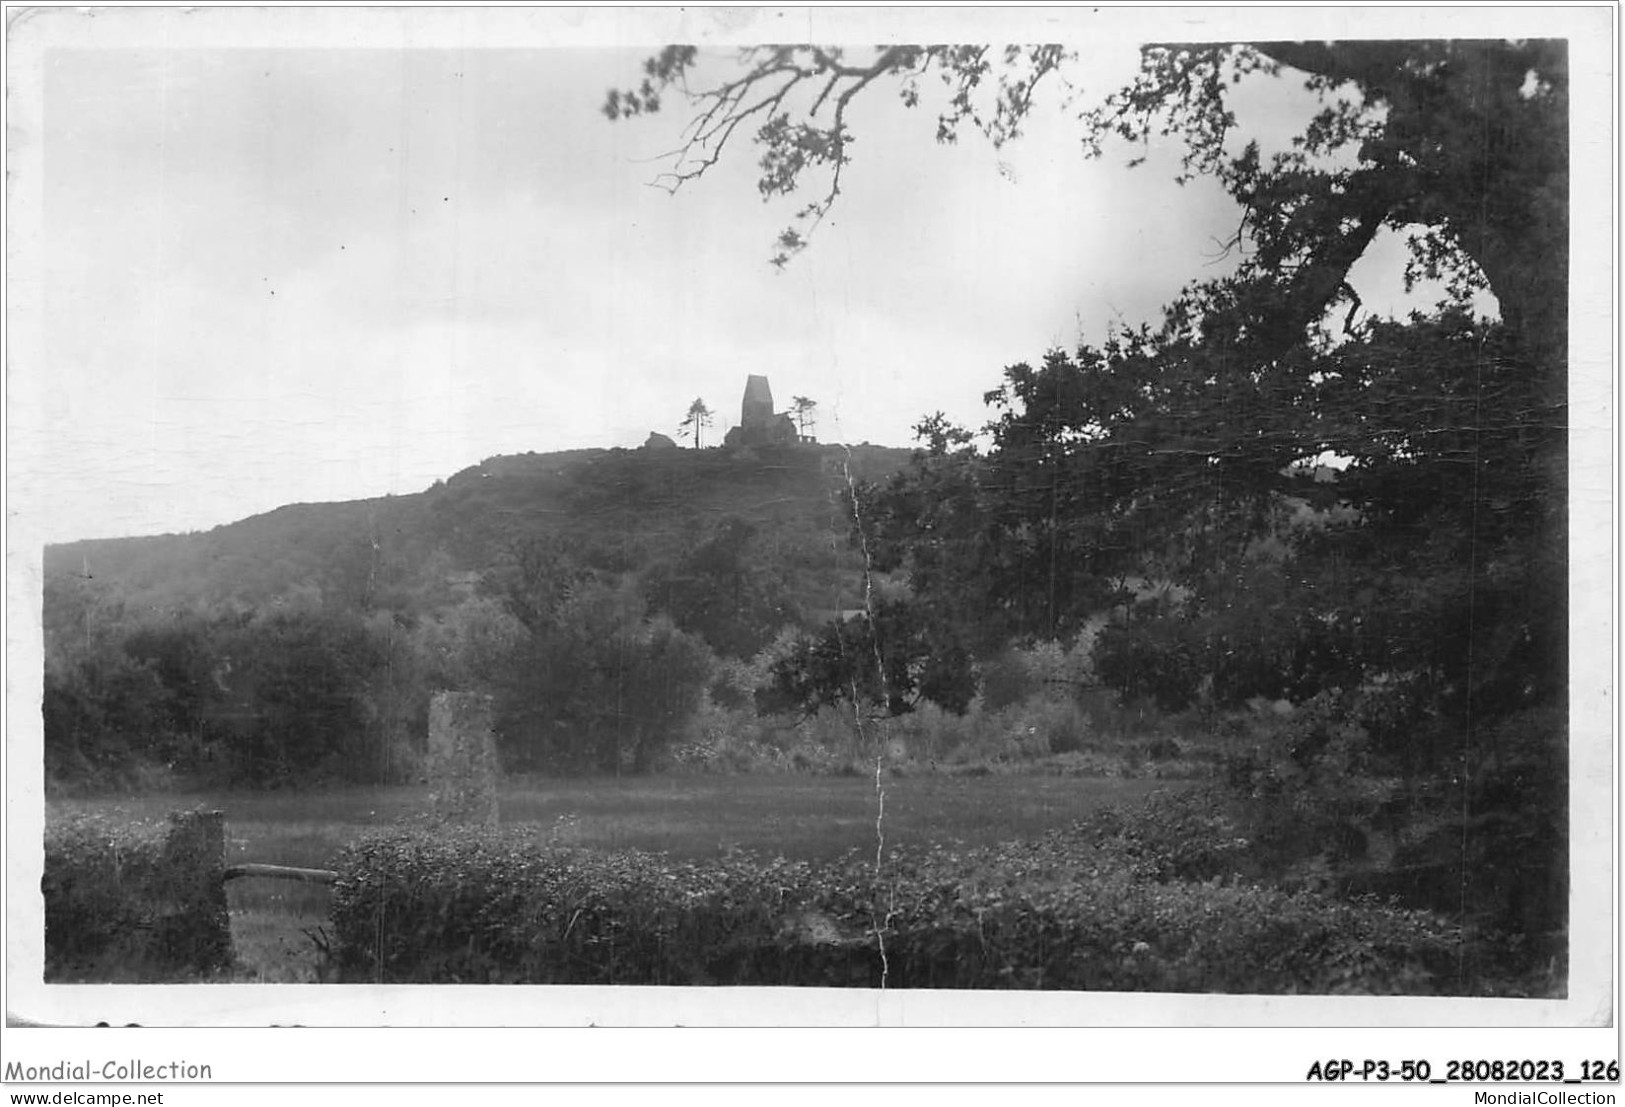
[616, 511]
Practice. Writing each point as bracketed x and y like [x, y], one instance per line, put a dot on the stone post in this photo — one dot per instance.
[193, 926]
[462, 758]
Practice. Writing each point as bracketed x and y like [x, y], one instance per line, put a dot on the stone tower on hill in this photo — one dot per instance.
[756, 410]
[758, 425]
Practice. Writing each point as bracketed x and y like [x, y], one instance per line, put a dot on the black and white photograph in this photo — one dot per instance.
[724, 516]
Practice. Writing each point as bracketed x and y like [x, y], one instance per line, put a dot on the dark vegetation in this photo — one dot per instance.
[100, 894]
[591, 591]
[1317, 558]
[133, 900]
[1354, 527]
[1069, 910]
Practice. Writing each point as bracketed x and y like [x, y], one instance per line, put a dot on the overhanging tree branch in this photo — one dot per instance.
[771, 87]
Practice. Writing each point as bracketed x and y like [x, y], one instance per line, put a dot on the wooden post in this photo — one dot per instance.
[281, 872]
[462, 758]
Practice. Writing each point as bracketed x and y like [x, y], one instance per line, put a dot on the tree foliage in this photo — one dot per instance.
[1185, 453]
[1460, 144]
[797, 97]
[721, 591]
[889, 659]
[695, 422]
[255, 699]
[802, 409]
[156, 648]
[1149, 467]
[603, 688]
[1348, 547]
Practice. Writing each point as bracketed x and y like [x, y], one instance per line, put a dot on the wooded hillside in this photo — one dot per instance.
[305, 642]
[613, 510]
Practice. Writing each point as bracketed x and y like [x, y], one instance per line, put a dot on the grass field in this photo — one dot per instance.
[276, 924]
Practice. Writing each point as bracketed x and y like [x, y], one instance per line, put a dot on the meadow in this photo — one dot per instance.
[278, 927]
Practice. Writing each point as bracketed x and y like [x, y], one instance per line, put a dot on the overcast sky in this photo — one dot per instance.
[282, 259]
[262, 256]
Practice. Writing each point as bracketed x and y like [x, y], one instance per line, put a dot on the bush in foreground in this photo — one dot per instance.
[140, 901]
[467, 906]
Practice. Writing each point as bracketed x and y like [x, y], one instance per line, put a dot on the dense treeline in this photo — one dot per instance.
[598, 646]
[1371, 510]
[616, 510]
[1345, 567]
[293, 693]
[1166, 480]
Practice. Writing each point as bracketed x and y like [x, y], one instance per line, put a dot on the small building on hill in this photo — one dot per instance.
[658, 441]
[759, 425]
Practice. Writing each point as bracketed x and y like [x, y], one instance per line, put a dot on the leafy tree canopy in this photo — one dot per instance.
[721, 591]
[1146, 466]
[1460, 144]
[695, 422]
[889, 659]
[1184, 453]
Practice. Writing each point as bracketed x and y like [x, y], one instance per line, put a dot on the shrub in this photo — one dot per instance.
[467, 906]
[1155, 658]
[1114, 932]
[1493, 847]
[929, 733]
[733, 683]
[1044, 670]
[1063, 912]
[1311, 781]
[602, 689]
[1038, 727]
[1005, 680]
[143, 898]
[1193, 834]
